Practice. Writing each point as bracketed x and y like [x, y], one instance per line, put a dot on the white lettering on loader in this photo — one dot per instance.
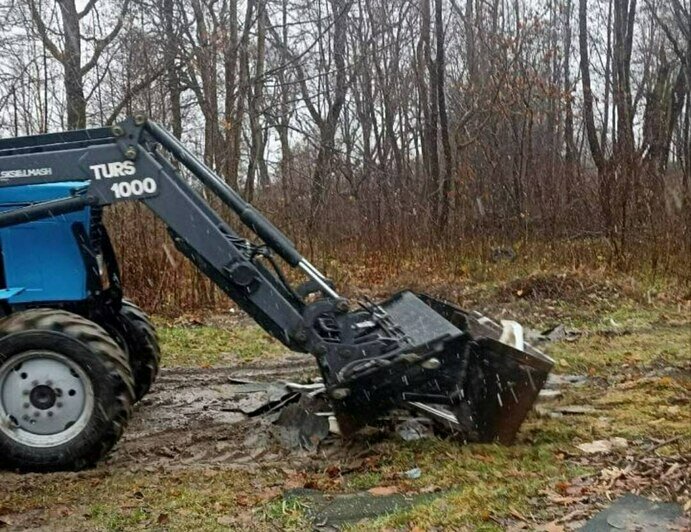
[112, 170]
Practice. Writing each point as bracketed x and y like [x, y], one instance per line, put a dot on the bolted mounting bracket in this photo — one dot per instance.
[140, 119]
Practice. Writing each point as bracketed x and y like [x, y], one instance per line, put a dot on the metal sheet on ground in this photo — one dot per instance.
[635, 513]
[328, 510]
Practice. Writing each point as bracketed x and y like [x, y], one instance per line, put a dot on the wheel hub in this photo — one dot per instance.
[43, 397]
[47, 398]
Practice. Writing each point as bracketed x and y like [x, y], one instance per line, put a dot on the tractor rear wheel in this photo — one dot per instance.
[66, 391]
[132, 329]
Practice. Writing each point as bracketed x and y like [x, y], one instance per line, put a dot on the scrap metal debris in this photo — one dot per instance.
[634, 513]
[255, 398]
[558, 333]
[413, 429]
[329, 511]
[413, 474]
[546, 394]
[575, 410]
[298, 427]
[556, 380]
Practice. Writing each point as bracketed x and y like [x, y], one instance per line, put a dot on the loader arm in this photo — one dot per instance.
[408, 350]
[127, 163]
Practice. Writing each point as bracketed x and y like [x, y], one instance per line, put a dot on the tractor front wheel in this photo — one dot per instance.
[66, 391]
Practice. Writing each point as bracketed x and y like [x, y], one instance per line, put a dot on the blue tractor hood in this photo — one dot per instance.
[41, 260]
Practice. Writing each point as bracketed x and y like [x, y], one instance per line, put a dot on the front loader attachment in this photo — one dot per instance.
[410, 352]
[436, 359]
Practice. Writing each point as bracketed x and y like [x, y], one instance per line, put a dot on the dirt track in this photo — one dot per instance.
[193, 417]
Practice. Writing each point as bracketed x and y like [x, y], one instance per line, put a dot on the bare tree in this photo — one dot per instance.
[381, 122]
[70, 56]
[445, 185]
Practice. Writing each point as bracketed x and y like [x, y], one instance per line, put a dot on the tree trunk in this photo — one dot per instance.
[340, 10]
[445, 188]
[602, 165]
[254, 106]
[569, 143]
[72, 65]
[208, 97]
[231, 126]
[430, 114]
[172, 74]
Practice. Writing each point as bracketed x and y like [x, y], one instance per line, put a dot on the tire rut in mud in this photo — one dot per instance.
[192, 417]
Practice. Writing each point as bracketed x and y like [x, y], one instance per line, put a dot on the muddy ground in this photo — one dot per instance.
[196, 417]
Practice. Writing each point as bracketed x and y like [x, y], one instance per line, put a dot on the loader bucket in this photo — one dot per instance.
[453, 368]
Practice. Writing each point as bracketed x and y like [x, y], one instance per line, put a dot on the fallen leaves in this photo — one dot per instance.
[565, 494]
[383, 491]
[269, 493]
[640, 471]
[603, 446]
[552, 527]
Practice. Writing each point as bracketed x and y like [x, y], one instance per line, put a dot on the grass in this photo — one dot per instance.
[602, 352]
[477, 482]
[290, 513]
[206, 346]
[622, 341]
[171, 500]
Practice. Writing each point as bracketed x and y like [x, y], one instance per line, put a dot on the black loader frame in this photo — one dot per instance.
[410, 351]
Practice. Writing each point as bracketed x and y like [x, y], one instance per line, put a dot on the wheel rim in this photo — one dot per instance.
[46, 399]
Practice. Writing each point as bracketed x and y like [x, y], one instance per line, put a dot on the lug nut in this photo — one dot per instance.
[26, 392]
[58, 404]
[340, 393]
[26, 405]
[117, 131]
[431, 363]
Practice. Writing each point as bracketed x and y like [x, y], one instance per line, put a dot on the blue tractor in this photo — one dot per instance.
[75, 356]
[59, 274]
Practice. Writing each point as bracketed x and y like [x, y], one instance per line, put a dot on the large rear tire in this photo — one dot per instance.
[133, 331]
[66, 391]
